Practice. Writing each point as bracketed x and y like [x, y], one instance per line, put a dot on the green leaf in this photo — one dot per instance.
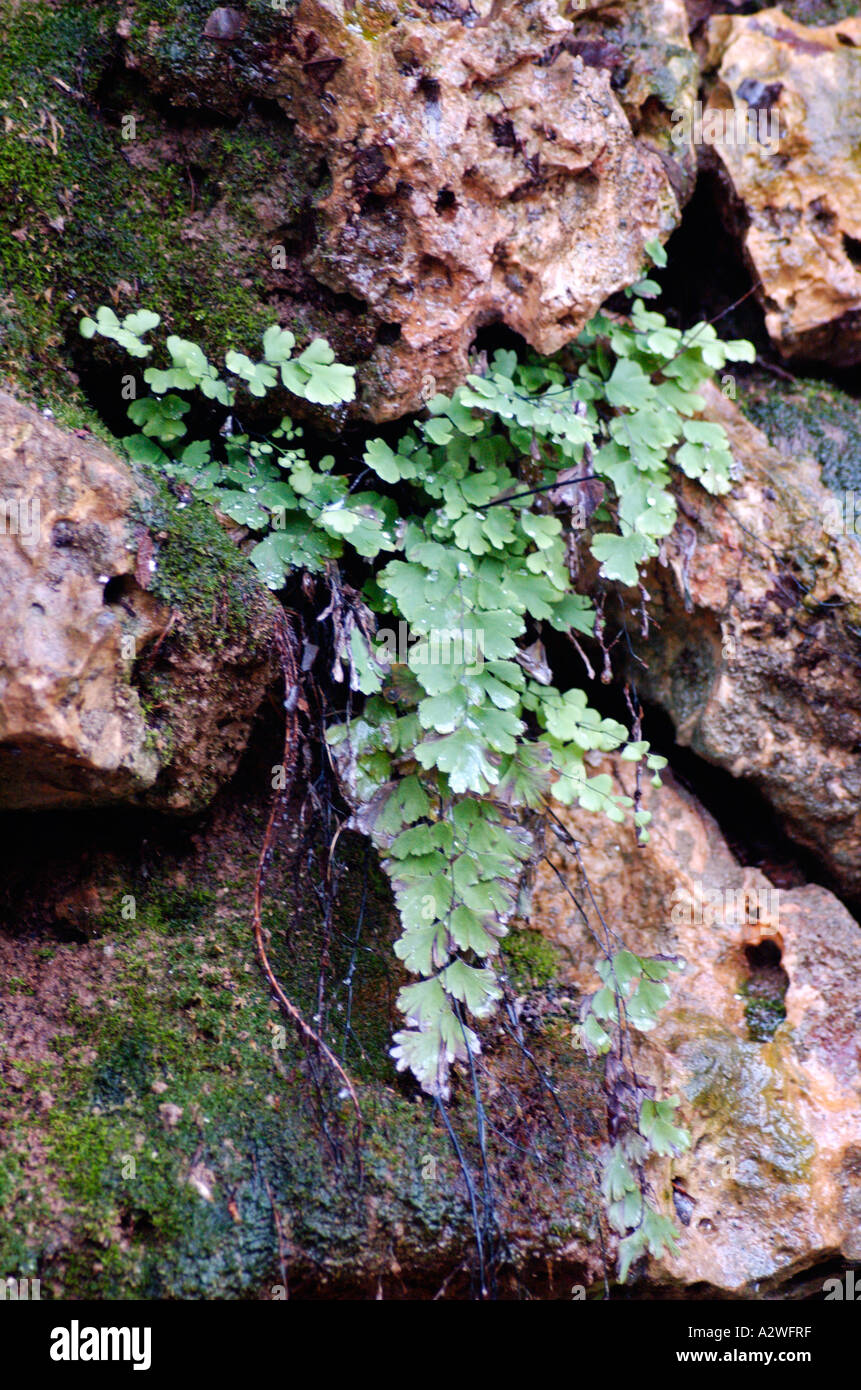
[383, 460]
[604, 1005]
[620, 556]
[278, 344]
[618, 1177]
[596, 1035]
[161, 419]
[140, 449]
[630, 1250]
[656, 253]
[317, 377]
[646, 1003]
[629, 387]
[477, 988]
[141, 322]
[259, 376]
[463, 757]
[656, 1125]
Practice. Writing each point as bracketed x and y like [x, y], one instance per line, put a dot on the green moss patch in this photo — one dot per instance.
[532, 960]
[809, 417]
[169, 1137]
[110, 195]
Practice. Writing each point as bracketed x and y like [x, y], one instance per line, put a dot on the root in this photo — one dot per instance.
[290, 673]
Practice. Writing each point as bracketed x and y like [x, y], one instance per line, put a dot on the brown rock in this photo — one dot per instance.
[796, 203]
[484, 171]
[78, 619]
[771, 1185]
[755, 652]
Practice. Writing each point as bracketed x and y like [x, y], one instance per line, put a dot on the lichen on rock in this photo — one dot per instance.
[770, 1183]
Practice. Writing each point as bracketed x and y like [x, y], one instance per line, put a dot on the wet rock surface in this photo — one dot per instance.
[755, 652]
[484, 171]
[400, 175]
[392, 176]
[167, 1136]
[769, 1071]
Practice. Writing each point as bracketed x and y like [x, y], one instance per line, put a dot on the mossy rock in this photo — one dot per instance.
[531, 960]
[218, 658]
[109, 194]
[169, 1137]
[808, 417]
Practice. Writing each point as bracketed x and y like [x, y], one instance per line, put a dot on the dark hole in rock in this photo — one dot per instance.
[822, 216]
[63, 534]
[852, 247]
[504, 134]
[373, 204]
[763, 955]
[118, 588]
[135, 1221]
[388, 333]
[370, 166]
[445, 200]
[430, 89]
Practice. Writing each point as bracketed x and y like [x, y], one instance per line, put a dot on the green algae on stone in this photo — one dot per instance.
[198, 568]
[808, 417]
[172, 1144]
[202, 680]
[738, 1087]
[200, 63]
[764, 1011]
[184, 1127]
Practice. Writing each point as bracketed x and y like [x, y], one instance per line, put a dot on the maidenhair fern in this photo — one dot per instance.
[507, 491]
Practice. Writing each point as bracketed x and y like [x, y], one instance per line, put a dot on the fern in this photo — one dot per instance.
[529, 469]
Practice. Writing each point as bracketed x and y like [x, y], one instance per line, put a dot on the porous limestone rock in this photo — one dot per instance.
[389, 174]
[771, 1185]
[502, 162]
[83, 618]
[755, 651]
[796, 202]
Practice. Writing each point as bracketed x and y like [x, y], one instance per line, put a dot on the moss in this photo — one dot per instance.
[16, 984]
[182, 218]
[183, 1116]
[764, 1010]
[532, 960]
[220, 630]
[809, 417]
[198, 568]
[192, 1027]
[167, 39]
